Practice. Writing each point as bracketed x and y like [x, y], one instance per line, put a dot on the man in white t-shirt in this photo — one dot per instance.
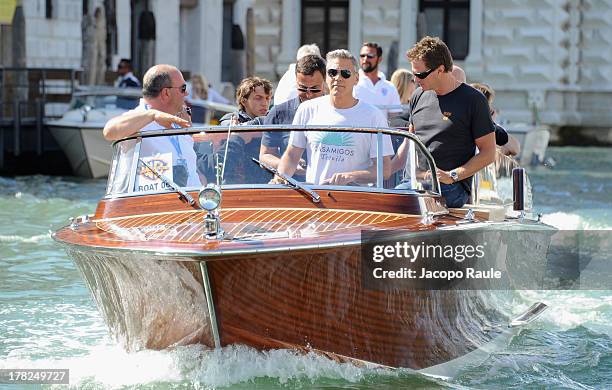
[337, 157]
[373, 86]
[162, 107]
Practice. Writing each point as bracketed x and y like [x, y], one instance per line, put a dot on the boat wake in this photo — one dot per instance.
[590, 219]
[28, 240]
[591, 309]
[109, 366]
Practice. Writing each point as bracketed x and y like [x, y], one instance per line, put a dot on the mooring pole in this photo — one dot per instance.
[16, 127]
[39, 125]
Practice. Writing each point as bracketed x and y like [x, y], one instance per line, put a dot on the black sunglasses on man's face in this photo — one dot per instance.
[370, 56]
[308, 89]
[182, 87]
[345, 73]
[423, 74]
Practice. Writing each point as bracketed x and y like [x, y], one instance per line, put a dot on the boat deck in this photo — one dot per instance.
[276, 220]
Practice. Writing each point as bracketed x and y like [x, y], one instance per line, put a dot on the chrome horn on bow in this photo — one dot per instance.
[209, 199]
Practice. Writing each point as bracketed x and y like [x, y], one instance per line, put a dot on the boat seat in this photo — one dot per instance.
[495, 213]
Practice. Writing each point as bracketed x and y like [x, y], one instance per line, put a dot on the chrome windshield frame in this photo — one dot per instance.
[435, 191]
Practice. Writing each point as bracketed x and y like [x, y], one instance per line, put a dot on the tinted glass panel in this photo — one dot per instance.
[313, 27]
[434, 19]
[458, 32]
[338, 25]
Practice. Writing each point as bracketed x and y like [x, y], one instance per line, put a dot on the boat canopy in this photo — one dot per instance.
[101, 98]
[355, 159]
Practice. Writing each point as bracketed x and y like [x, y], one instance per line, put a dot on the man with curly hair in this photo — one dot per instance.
[253, 99]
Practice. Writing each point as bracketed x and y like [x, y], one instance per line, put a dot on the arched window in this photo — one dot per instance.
[449, 20]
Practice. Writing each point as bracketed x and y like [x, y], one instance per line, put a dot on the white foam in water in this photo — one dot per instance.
[239, 363]
[569, 309]
[588, 220]
[29, 240]
[563, 221]
[111, 366]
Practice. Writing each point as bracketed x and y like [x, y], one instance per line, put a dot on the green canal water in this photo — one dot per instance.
[49, 320]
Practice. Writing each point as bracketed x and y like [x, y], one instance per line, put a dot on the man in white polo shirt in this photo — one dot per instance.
[373, 87]
[337, 158]
[162, 107]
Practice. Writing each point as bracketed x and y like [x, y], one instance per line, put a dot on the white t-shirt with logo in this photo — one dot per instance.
[181, 149]
[332, 152]
[383, 93]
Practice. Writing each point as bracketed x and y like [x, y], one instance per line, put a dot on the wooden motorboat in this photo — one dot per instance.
[280, 266]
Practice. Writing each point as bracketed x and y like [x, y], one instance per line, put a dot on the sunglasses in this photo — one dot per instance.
[345, 73]
[424, 74]
[309, 89]
[182, 87]
[370, 56]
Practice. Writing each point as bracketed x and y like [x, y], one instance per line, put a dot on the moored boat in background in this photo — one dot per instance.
[79, 131]
[534, 142]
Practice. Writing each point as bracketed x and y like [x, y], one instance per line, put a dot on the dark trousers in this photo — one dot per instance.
[455, 194]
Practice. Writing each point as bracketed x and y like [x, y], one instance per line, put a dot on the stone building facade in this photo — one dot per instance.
[548, 60]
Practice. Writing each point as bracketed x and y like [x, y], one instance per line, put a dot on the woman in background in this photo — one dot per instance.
[199, 87]
[403, 80]
[507, 144]
[404, 83]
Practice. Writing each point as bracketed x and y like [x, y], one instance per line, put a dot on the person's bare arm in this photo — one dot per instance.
[485, 156]
[269, 155]
[289, 162]
[360, 176]
[127, 124]
[512, 147]
[398, 161]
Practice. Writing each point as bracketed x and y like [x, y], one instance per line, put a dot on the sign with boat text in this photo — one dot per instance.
[469, 258]
[146, 179]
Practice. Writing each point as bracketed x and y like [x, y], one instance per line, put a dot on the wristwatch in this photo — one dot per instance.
[453, 174]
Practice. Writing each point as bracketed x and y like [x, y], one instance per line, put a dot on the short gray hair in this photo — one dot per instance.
[342, 54]
[306, 50]
[155, 80]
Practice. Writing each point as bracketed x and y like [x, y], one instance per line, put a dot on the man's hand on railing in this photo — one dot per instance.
[444, 176]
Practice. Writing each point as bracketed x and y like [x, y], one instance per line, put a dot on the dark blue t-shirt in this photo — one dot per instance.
[449, 124]
[280, 115]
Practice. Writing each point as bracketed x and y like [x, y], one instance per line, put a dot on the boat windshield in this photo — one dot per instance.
[104, 101]
[314, 157]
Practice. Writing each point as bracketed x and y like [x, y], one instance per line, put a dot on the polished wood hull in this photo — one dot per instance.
[311, 300]
[290, 278]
